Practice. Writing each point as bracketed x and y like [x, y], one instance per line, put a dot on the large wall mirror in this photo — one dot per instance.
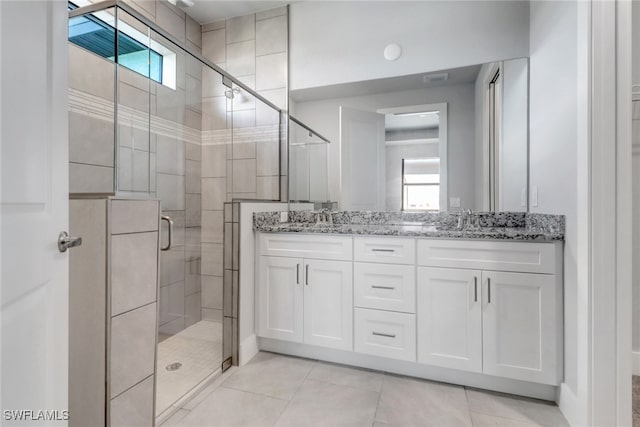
[439, 141]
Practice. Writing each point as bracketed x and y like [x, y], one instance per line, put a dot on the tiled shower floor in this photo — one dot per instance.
[199, 349]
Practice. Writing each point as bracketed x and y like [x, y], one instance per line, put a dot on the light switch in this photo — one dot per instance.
[284, 216]
[454, 202]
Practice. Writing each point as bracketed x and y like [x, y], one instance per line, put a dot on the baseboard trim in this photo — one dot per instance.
[248, 349]
[570, 405]
[452, 376]
[635, 360]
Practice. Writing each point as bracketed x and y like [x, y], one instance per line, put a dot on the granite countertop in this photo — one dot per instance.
[493, 226]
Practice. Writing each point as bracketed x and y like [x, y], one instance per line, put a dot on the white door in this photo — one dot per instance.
[362, 160]
[280, 298]
[450, 318]
[34, 205]
[328, 304]
[520, 336]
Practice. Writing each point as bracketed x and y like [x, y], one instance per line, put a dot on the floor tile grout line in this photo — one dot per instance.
[466, 398]
[315, 363]
[250, 392]
[375, 414]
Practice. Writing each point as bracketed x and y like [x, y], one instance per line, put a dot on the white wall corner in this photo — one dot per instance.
[248, 349]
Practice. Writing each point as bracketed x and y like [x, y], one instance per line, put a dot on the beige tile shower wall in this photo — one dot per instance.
[91, 117]
[133, 291]
[113, 299]
[241, 137]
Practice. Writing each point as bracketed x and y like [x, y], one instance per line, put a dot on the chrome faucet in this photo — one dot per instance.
[467, 218]
[324, 217]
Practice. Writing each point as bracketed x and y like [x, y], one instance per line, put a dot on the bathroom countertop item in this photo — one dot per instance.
[491, 225]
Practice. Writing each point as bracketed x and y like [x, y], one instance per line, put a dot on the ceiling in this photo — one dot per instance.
[455, 76]
[206, 11]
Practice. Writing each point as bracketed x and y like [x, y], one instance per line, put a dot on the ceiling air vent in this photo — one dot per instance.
[434, 78]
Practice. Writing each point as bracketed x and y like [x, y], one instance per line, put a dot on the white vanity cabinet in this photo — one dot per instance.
[504, 323]
[487, 309]
[520, 326]
[385, 294]
[282, 298]
[328, 304]
[304, 299]
[450, 318]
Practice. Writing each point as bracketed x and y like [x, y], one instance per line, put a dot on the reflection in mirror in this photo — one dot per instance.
[420, 184]
[415, 147]
[308, 165]
[448, 140]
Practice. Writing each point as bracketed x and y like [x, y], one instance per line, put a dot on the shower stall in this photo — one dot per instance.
[165, 123]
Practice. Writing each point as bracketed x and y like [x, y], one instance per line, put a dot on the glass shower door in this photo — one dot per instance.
[188, 115]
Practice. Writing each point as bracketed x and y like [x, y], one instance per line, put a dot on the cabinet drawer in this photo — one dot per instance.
[525, 257]
[307, 246]
[386, 250]
[385, 334]
[385, 287]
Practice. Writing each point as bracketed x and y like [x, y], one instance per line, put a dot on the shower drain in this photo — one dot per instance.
[173, 366]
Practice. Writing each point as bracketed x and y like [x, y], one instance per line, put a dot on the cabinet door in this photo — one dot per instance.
[328, 304]
[280, 296]
[450, 318]
[520, 326]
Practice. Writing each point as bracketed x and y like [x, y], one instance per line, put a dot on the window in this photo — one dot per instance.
[96, 33]
[421, 184]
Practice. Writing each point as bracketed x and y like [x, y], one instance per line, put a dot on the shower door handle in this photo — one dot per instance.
[170, 223]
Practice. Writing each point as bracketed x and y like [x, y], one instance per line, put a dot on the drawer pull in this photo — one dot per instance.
[380, 334]
[306, 274]
[489, 290]
[382, 250]
[297, 274]
[382, 287]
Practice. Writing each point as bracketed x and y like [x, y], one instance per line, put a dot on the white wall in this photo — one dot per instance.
[555, 85]
[323, 116]
[336, 42]
[635, 28]
[636, 185]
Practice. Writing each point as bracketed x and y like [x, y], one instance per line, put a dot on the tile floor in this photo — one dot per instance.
[287, 391]
[199, 349]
